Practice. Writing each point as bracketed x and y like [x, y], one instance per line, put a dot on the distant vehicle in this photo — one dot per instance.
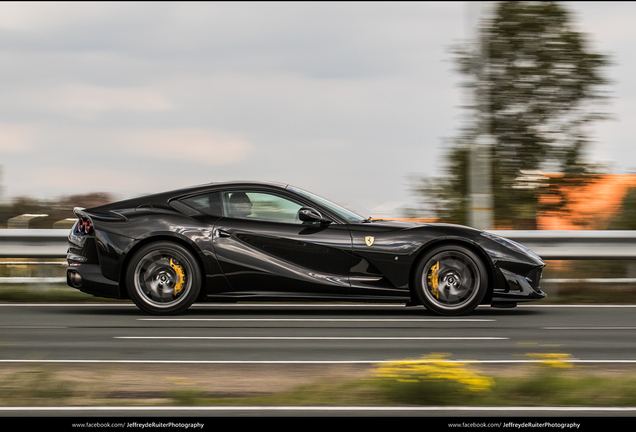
[263, 241]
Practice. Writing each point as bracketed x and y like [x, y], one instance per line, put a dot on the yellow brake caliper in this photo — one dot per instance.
[433, 281]
[178, 286]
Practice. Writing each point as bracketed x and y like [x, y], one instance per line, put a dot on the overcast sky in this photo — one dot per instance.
[344, 99]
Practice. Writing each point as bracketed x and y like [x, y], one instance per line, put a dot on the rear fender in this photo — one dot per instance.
[205, 265]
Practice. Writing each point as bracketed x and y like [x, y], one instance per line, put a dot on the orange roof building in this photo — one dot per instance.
[591, 206]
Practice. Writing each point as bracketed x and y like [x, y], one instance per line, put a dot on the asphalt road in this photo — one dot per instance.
[313, 333]
[111, 334]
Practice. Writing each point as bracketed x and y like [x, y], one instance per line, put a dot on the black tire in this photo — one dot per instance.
[451, 280]
[163, 278]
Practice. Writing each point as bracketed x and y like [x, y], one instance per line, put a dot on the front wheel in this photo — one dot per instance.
[163, 278]
[451, 280]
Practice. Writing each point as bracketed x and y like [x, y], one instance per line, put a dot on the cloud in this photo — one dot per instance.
[198, 145]
[183, 92]
[50, 181]
[33, 16]
[15, 138]
[89, 100]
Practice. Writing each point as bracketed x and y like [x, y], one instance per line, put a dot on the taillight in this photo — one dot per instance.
[85, 226]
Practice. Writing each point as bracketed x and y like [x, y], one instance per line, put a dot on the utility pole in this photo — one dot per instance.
[481, 206]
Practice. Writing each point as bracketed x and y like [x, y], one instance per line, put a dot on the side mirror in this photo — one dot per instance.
[308, 214]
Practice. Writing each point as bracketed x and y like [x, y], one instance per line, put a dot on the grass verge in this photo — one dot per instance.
[43, 293]
[429, 381]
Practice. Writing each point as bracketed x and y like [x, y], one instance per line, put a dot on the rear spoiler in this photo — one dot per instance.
[112, 215]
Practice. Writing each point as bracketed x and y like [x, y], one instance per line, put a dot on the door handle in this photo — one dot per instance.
[221, 233]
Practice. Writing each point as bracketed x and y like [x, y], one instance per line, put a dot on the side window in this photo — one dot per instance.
[209, 204]
[260, 206]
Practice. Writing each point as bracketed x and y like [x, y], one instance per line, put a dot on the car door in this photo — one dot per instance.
[264, 249]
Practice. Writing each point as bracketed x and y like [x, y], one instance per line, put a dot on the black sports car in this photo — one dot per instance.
[261, 241]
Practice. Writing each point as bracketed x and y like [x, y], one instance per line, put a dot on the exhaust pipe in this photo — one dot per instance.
[73, 278]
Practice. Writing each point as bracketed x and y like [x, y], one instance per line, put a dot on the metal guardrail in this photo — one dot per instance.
[549, 245]
[33, 243]
[45, 245]
[576, 245]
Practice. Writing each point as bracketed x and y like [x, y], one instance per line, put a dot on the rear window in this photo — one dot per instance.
[209, 203]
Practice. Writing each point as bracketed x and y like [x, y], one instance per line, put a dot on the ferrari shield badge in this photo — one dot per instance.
[369, 240]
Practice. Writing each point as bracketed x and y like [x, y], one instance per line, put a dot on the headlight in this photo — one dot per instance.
[511, 245]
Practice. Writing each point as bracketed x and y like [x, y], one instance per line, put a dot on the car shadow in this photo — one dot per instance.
[292, 309]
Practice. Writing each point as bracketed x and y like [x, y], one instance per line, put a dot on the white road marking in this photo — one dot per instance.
[67, 305]
[325, 319]
[311, 305]
[589, 328]
[308, 338]
[301, 362]
[575, 306]
[443, 408]
[31, 327]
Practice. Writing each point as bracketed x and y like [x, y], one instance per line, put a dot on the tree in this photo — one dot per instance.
[626, 218]
[542, 85]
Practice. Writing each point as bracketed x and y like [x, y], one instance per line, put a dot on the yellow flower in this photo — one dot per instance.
[433, 367]
[556, 360]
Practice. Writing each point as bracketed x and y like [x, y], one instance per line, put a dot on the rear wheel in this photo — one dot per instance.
[163, 278]
[451, 280]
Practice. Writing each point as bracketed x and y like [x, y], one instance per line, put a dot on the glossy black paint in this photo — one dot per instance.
[326, 257]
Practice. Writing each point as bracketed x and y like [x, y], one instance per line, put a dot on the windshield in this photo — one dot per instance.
[344, 213]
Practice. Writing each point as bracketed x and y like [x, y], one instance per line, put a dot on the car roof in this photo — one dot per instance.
[162, 199]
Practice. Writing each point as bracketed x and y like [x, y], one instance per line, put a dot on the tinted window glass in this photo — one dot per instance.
[209, 204]
[344, 213]
[260, 206]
